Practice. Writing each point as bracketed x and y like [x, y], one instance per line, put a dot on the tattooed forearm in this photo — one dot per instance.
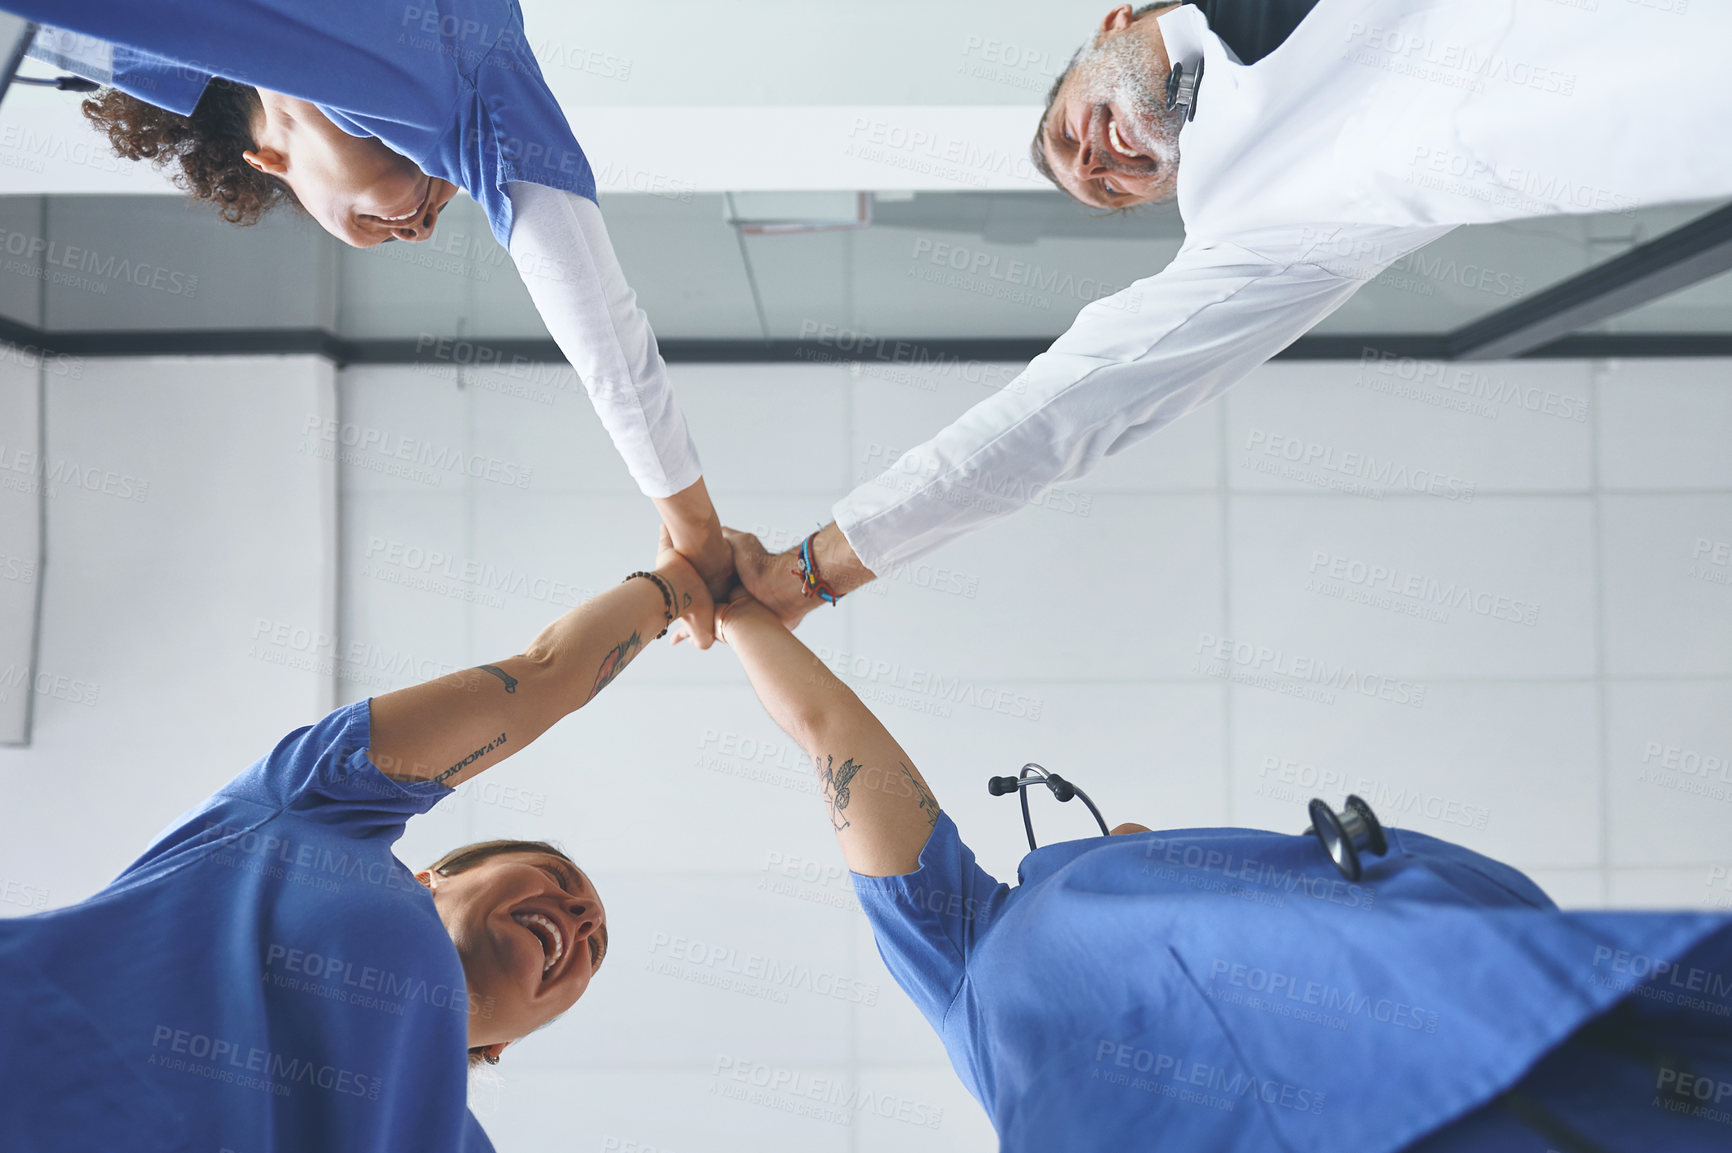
[836, 795]
[928, 803]
[615, 662]
[510, 681]
[495, 743]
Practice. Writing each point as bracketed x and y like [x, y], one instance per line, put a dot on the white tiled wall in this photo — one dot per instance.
[1508, 585]
[187, 524]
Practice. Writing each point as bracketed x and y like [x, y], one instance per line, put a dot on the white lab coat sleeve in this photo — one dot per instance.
[561, 248]
[1130, 364]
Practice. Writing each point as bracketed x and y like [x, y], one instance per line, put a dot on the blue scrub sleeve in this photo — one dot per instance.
[928, 922]
[319, 773]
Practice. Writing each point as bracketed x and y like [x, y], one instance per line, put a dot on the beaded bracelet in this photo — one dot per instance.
[811, 584]
[667, 598]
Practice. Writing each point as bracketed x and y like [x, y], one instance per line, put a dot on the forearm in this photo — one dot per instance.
[1128, 366]
[450, 729]
[691, 518]
[879, 805]
[781, 586]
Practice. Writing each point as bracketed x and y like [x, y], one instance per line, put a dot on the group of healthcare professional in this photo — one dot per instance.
[1134, 991]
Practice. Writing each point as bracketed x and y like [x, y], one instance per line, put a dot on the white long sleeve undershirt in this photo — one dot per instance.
[561, 248]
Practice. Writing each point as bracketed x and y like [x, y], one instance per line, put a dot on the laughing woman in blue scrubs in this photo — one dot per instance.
[372, 117]
[1226, 990]
[268, 978]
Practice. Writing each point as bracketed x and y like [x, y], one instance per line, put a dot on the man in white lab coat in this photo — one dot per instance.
[1325, 140]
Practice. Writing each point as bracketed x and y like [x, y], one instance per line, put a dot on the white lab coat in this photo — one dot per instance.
[1378, 126]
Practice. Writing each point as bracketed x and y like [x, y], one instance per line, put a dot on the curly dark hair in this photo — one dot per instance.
[207, 145]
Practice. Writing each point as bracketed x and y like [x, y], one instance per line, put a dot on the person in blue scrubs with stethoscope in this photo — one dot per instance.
[268, 978]
[372, 117]
[1229, 990]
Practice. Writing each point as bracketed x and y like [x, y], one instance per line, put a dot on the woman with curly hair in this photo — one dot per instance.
[268, 976]
[372, 118]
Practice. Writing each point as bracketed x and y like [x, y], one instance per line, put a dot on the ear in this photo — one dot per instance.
[425, 876]
[267, 160]
[491, 1052]
[1129, 828]
[1117, 20]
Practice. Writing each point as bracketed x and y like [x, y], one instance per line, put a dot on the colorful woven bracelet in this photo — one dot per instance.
[811, 584]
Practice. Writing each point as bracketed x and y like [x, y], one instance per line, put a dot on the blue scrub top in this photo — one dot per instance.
[451, 84]
[1227, 990]
[267, 978]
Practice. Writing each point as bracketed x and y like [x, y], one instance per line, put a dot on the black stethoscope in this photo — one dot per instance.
[1033, 774]
[1345, 836]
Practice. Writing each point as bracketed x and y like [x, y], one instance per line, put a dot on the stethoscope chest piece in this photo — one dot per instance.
[1182, 89]
[1345, 836]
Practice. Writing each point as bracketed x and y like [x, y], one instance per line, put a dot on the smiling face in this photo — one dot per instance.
[531, 933]
[358, 190]
[1107, 136]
